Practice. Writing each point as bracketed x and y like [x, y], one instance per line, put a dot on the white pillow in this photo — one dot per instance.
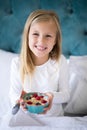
[78, 85]
[5, 61]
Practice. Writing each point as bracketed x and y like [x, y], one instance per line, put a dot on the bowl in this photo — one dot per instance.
[36, 102]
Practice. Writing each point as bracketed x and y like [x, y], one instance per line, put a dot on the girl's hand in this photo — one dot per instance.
[50, 98]
[22, 104]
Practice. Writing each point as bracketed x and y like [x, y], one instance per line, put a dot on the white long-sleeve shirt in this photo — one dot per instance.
[52, 76]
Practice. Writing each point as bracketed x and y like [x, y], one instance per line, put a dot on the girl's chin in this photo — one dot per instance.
[41, 55]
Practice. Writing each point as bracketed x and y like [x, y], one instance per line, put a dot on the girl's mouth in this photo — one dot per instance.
[40, 48]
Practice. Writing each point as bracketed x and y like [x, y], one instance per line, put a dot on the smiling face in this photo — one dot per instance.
[42, 38]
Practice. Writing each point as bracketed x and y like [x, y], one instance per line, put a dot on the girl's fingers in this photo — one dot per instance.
[23, 105]
[50, 98]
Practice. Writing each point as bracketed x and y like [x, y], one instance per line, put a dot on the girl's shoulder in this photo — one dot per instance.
[63, 58]
[15, 62]
[62, 61]
[57, 63]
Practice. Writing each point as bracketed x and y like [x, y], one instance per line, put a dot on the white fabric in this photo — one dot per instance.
[78, 85]
[48, 123]
[49, 77]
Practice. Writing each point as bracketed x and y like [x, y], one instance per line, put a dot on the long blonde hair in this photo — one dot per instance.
[27, 63]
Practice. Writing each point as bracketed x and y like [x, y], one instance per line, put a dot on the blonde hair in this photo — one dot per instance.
[27, 64]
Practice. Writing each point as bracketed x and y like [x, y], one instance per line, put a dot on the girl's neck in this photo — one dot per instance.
[40, 61]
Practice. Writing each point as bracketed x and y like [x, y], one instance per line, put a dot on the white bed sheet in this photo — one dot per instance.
[51, 123]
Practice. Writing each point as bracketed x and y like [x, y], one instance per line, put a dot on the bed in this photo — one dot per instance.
[73, 20]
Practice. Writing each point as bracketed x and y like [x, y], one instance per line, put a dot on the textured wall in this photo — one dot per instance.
[73, 18]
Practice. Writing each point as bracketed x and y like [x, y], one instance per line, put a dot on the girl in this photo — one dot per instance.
[41, 67]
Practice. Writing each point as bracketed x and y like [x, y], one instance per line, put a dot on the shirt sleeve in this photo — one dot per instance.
[15, 82]
[63, 94]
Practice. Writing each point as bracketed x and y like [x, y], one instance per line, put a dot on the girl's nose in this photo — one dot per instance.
[41, 40]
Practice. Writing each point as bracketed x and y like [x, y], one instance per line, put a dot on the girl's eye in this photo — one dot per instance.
[48, 36]
[35, 34]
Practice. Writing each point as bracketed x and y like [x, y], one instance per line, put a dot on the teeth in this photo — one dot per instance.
[40, 48]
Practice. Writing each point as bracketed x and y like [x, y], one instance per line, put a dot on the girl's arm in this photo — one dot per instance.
[63, 94]
[15, 82]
